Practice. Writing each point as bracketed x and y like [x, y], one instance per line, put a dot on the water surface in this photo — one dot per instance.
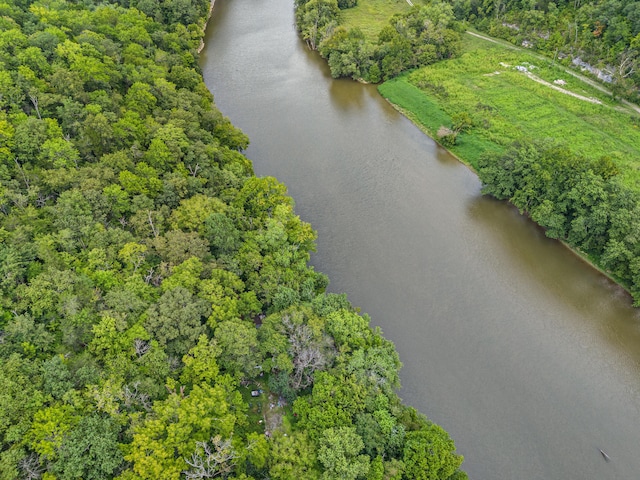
[528, 357]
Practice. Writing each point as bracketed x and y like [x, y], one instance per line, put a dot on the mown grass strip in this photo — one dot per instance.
[425, 112]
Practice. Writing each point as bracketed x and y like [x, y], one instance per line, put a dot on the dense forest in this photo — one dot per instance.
[158, 317]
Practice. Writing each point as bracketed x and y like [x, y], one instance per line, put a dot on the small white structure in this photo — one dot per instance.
[521, 68]
[560, 82]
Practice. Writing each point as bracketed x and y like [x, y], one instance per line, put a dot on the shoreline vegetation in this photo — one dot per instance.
[562, 150]
[159, 317]
[204, 27]
[413, 115]
[414, 119]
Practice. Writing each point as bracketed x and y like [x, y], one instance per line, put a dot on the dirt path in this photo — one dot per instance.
[535, 78]
[582, 78]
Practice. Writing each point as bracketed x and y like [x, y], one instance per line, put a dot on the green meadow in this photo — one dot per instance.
[371, 15]
[504, 104]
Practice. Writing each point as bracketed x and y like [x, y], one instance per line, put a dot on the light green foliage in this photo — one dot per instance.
[200, 363]
[49, 427]
[192, 212]
[111, 337]
[349, 330]
[258, 450]
[143, 181]
[140, 99]
[186, 275]
[228, 297]
[137, 250]
[238, 342]
[293, 456]
[167, 437]
[429, 454]
[370, 16]
[376, 469]
[259, 197]
[339, 454]
[334, 402]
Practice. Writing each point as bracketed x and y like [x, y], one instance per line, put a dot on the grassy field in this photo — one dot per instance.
[371, 15]
[506, 105]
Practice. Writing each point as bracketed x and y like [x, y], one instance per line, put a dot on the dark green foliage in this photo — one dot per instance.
[580, 202]
[177, 320]
[137, 254]
[342, 4]
[90, 451]
[223, 236]
[420, 37]
[315, 20]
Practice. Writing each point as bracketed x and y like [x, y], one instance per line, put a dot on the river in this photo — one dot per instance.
[527, 356]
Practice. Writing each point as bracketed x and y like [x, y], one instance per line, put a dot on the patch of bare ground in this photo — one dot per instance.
[272, 414]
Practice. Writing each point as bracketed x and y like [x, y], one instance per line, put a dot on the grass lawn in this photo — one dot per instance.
[371, 15]
[506, 105]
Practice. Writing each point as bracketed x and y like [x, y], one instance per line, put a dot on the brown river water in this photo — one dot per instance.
[525, 354]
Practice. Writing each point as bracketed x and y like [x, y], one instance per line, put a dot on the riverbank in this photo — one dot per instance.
[415, 119]
[513, 346]
[204, 27]
[510, 104]
[505, 95]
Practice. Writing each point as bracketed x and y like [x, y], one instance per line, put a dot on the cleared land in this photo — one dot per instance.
[371, 15]
[506, 104]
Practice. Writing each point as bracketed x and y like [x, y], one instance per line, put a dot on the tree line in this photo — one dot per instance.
[149, 281]
[417, 38]
[579, 201]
